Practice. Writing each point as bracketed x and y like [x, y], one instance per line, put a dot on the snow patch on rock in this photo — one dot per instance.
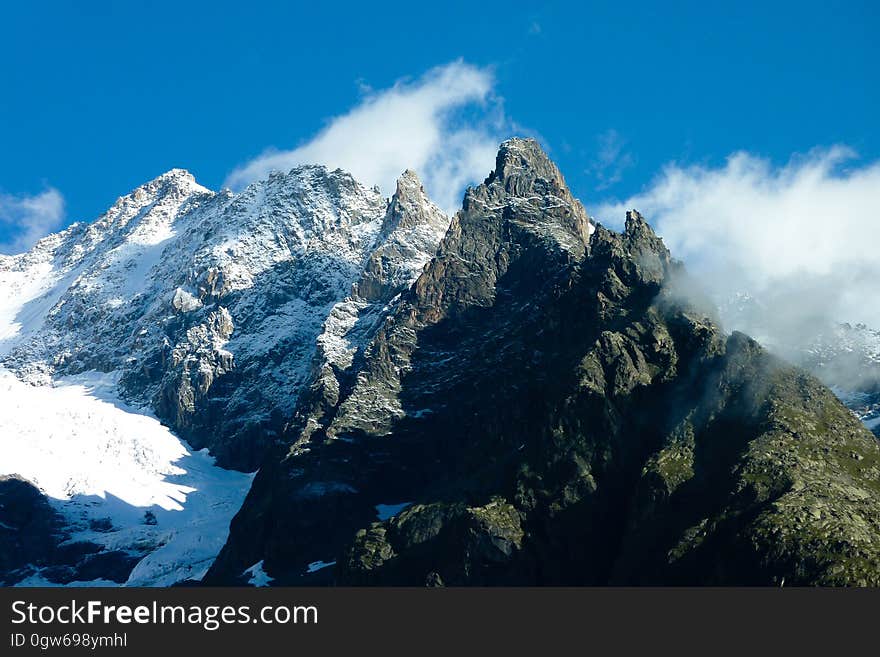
[101, 460]
[257, 575]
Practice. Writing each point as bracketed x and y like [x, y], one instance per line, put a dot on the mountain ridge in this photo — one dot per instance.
[542, 395]
[206, 310]
[185, 279]
[513, 395]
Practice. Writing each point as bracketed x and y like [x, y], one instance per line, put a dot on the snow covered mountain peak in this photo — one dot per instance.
[210, 312]
[319, 200]
[410, 206]
[408, 183]
[169, 187]
[176, 174]
[206, 304]
[179, 179]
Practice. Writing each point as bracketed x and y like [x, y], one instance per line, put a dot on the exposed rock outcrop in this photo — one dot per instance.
[547, 408]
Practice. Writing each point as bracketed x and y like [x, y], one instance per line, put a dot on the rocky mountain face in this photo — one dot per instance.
[213, 312]
[544, 406]
[211, 306]
[512, 396]
[844, 356]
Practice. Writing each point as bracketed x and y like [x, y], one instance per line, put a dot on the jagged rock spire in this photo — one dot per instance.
[410, 207]
[520, 160]
[527, 189]
[411, 230]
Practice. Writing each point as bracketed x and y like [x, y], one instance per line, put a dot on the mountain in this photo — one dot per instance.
[514, 395]
[209, 311]
[844, 356]
[546, 405]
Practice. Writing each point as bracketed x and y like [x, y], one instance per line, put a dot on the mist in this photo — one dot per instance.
[787, 252]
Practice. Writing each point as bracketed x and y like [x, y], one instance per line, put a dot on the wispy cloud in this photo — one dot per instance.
[801, 238]
[445, 125]
[611, 160]
[25, 219]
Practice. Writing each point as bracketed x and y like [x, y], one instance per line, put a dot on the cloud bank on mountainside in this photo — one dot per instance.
[799, 239]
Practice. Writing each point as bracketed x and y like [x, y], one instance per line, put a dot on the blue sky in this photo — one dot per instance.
[98, 98]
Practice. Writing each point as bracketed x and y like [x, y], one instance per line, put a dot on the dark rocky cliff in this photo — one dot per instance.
[545, 406]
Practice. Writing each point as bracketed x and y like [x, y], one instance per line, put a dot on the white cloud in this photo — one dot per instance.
[802, 238]
[445, 125]
[611, 160]
[25, 219]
